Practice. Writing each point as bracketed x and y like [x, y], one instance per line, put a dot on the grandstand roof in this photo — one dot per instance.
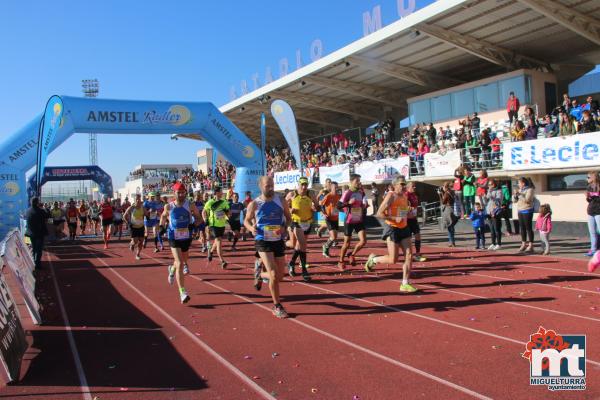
[444, 44]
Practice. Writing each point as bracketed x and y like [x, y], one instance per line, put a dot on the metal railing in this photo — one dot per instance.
[430, 212]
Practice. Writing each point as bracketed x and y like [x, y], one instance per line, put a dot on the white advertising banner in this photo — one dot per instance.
[442, 165]
[17, 256]
[383, 170]
[289, 179]
[560, 152]
[337, 173]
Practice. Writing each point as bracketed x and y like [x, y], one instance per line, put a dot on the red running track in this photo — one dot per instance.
[351, 335]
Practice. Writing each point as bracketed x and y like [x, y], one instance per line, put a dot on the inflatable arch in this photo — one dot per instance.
[80, 173]
[18, 153]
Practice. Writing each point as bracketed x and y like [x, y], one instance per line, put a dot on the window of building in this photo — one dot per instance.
[420, 111]
[202, 160]
[463, 103]
[486, 98]
[565, 182]
[441, 108]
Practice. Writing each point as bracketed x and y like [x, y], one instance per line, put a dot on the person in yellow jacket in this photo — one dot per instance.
[394, 210]
[302, 205]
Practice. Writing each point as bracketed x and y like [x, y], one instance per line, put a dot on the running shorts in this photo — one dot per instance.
[83, 219]
[137, 232]
[294, 225]
[235, 225]
[333, 225]
[150, 223]
[107, 221]
[184, 245]
[350, 228]
[396, 234]
[72, 225]
[117, 222]
[217, 231]
[413, 225]
[277, 248]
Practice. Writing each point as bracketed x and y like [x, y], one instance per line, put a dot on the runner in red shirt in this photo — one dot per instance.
[106, 213]
[412, 222]
[72, 213]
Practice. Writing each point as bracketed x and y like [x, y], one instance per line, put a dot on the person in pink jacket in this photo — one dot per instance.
[543, 224]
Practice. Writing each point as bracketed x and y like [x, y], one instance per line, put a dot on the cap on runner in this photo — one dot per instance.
[302, 180]
[178, 186]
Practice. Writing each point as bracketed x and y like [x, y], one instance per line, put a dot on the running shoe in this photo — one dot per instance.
[306, 276]
[156, 250]
[370, 264]
[279, 312]
[184, 297]
[223, 264]
[326, 251]
[594, 262]
[186, 269]
[131, 246]
[291, 270]
[497, 247]
[257, 280]
[234, 248]
[162, 247]
[492, 247]
[209, 256]
[171, 274]
[334, 244]
[138, 258]
[419, 258]
[590, 253]
[408, 288]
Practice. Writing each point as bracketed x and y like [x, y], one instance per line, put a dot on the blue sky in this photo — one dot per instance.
[156, 50]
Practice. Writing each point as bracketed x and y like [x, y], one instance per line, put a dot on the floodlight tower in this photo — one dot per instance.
[90, 88]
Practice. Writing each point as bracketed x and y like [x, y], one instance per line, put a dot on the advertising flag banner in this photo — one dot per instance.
[284, 116]
[48, 128]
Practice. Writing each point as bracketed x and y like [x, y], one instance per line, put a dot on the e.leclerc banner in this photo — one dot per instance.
[50, 124]
[16, 255]
[13, 343]
[442, 165]
[560, 152]
[289, 179]
[383, 170]
[338, 173]
[284, 116]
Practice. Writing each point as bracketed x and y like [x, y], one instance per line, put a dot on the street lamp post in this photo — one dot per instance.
[90, 88]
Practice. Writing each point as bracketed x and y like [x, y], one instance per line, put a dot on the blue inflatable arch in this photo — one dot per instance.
[73, 173]
[90, 115]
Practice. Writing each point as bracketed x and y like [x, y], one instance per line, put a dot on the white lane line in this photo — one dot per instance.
[354, 345]
[83, 383]
[262, 392]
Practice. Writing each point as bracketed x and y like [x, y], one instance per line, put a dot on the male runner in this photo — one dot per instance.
[353, 202]
[216, 212]
[177, 219]
[83, 216]
[158, 238]
[151, 219]
[266, 217]
[303, 206]
[394, 210]
[322, 193]
[118, 218]
[235, 210]
[57, 216]
[106, 213]
[329, 206]
[72, 212]
[200, 230]
[413, 224]
[95, 216]
[134, 216]
[247, 200]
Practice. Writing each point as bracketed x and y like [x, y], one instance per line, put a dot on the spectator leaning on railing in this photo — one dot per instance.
[566, 125]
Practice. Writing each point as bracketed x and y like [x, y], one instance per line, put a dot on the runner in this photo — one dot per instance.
[329, 205]
[216, 212]
[413, 223]
[106, 213]
[118, 218]
[322, 193]
[83, 216]
[394, 210]
[266, 217]
[247, 200]
[200, 230]
[158, 238]
[177, 220]
[72, 213]
[303, 207]
[134, 216]
[235, 210]
[95, 216]
[205, 199]
[353, 202]
[57, 216]
[151, 219]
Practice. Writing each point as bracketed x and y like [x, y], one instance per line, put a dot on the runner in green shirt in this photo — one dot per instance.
[216, 213]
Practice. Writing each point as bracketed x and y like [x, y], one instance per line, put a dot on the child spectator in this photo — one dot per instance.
[478, 220]
[543, 224]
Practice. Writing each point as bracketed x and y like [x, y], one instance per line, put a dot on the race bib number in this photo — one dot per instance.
[136, 221]
[73, 220]
[153, 214]
[272, 233]
[220, 214]
[412, 213]
[356, 213]
[305, 225]
[182, 234]
[334, 211]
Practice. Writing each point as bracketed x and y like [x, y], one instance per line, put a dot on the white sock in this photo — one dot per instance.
[405, 281]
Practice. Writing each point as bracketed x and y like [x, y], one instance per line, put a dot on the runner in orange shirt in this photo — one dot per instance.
[330, 204]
